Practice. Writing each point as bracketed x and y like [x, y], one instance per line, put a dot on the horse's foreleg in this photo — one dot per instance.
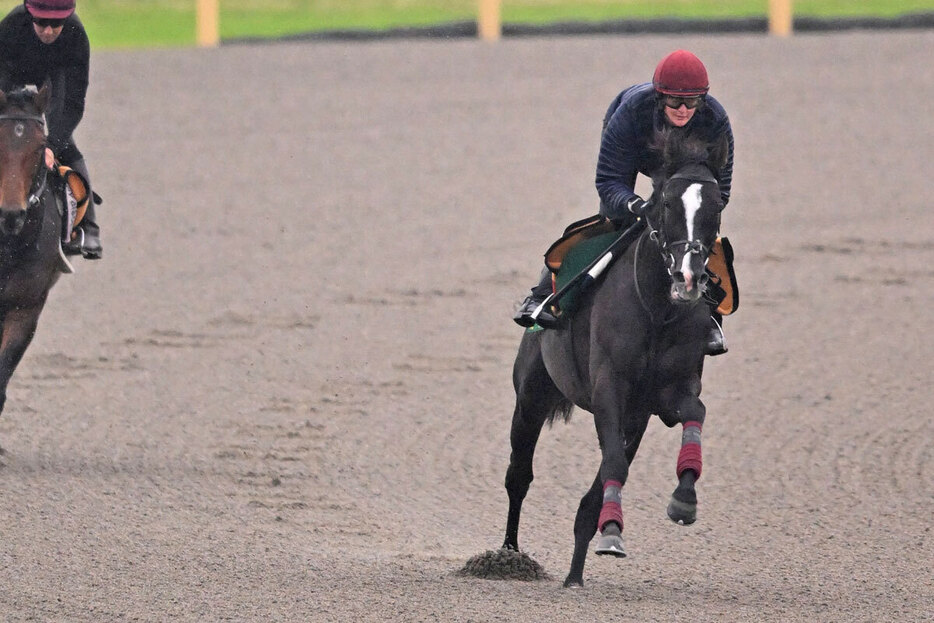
[609, 400]
[19, 326]
[585, 526]
[683, 506]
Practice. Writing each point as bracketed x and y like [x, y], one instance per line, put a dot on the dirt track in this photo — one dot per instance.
[285, 393]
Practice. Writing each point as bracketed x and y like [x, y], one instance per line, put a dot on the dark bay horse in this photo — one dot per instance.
[634, 348]
[30, 225]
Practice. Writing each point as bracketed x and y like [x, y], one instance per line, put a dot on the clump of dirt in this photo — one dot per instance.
[504, 564]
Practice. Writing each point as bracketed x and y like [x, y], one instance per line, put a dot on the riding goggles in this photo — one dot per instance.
[51, 23]
[673, 101]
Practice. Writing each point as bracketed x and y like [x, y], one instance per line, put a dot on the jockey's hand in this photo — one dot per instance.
[636, 205]
[49, 159]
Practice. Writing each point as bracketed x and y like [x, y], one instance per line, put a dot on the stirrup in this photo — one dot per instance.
[78, 246]
[716, 340]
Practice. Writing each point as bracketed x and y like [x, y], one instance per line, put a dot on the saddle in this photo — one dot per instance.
[71, 197]
[585, 241]
[74, 200]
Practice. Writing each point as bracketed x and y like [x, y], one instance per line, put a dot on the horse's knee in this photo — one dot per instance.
[692, 409]
[680, 409]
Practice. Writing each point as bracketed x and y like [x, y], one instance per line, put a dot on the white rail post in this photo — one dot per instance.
[780, 17]
[489, 23]
[207, 23]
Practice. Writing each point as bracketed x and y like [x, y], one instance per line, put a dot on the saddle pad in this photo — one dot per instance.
[576, 259]
[76, 196]
[720, 265]
[575, 234]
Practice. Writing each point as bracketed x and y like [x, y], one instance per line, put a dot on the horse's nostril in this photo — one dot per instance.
[677, 277]
[704, 277]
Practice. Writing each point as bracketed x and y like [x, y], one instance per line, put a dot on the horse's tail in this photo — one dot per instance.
[560, 410]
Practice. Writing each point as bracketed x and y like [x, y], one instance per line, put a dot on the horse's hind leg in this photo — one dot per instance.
[537, 399]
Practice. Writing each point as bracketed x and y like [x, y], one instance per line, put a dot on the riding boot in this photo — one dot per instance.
[87, 239]
[716, 342]
[540, 292]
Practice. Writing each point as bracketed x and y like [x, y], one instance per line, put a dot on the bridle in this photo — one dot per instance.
[41, 178]
[666, 248]
[691, 247]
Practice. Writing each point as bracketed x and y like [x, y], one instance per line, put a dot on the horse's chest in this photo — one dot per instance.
[22, 288]
[645, 352]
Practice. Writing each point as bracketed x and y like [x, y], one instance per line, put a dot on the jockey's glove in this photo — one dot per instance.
[636, 205]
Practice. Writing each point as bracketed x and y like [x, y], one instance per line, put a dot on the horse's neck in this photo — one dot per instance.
[649, 263]
[652, 280]
[38, 219]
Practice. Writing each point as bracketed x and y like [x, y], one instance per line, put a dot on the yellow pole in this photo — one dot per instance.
[780, 17]
[489, 24]
[207, 23]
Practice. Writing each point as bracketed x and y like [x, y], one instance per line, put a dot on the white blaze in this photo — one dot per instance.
[691, 200]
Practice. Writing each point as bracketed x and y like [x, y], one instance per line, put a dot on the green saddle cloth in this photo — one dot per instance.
[576, 260]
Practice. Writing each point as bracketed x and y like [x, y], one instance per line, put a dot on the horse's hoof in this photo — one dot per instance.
[610, 545]
[573, 582]
[682, 513]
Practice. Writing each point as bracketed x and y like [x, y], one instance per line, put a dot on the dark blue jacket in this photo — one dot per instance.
[628, 127]
[24, 59]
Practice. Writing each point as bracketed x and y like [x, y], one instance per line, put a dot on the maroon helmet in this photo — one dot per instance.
[681, 74]
[50, 9]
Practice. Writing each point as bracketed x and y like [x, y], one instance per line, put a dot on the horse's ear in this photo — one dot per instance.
[719, 153]
[43, 96]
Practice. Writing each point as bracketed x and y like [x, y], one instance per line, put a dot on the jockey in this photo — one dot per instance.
[44, 40]
[676, 97]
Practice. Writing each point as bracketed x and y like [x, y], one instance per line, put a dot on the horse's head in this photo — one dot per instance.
[685, 212]
[22, 155]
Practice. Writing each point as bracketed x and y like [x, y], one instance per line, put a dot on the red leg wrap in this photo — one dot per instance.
[690, 455]
[690, 458]
[612, 504]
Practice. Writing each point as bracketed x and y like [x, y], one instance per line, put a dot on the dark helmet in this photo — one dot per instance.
[680, 73]
[50, 9]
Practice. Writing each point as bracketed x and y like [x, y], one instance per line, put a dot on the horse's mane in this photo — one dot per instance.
[23, 98]
[677, 148]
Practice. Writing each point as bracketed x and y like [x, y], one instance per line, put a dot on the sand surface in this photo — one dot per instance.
[285, 395]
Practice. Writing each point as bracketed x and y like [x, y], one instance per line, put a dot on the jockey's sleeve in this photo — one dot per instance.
[617, 164]
[726, 174]
[75, 78]
[6, 57]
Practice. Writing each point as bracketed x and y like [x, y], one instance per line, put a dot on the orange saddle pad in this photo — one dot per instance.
[720, 265]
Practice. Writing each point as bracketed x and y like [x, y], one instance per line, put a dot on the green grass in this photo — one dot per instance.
[135, 23]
